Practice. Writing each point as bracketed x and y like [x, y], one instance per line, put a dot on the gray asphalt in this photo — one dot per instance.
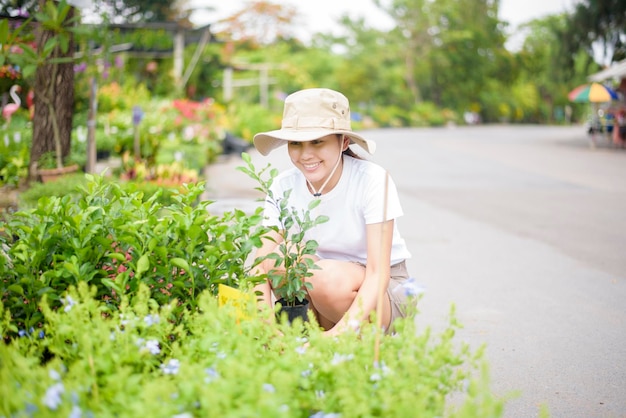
[523, 229]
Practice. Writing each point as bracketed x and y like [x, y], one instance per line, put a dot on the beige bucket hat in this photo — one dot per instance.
[312, 114]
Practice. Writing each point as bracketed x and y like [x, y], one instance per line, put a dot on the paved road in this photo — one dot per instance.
[524, 230]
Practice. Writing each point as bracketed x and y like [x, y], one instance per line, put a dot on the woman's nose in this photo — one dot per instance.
[307, 149]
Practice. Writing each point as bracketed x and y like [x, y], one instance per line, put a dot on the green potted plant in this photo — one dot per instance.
[292, 258]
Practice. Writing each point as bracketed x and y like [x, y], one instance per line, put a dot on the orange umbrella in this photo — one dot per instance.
[594, 93]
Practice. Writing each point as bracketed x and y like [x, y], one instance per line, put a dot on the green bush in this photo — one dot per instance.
[138, 361]
[70, 185]
[64, 186]
[113, 239]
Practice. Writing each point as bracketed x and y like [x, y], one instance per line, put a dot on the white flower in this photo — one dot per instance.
[171, 367]
[268, 387]
[301, 350]
[183, 415]
[52, 399]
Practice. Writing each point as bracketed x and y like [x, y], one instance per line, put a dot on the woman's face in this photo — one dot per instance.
[316, 159]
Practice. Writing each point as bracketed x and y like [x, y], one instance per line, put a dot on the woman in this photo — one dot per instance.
[358, 250]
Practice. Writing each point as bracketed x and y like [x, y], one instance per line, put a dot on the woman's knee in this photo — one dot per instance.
[335, 279]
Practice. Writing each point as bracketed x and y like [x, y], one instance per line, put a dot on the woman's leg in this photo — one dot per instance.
[335, 286]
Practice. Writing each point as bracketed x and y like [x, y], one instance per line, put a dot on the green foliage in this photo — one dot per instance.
[67, 185]
[292, 260]
[244, 120]
[113, 239]
[14, 153]
[139, 361]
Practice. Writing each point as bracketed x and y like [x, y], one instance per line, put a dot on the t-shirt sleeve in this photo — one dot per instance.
[374, 198]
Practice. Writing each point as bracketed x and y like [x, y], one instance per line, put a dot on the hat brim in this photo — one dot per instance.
[265, 142]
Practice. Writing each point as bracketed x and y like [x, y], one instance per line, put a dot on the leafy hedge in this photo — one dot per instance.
[112, 238]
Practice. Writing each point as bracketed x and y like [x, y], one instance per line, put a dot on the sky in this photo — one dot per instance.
[321, 15]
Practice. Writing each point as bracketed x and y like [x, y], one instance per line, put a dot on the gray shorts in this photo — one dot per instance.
[399, 300]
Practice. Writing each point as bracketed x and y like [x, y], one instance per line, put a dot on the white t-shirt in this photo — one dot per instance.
[356, 200]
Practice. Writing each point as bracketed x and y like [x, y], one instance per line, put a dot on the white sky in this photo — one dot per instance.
[321, 15]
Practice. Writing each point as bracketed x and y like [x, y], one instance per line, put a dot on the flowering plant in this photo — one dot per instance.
[88, 360]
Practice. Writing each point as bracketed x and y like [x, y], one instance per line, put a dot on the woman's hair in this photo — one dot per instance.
[348, 150]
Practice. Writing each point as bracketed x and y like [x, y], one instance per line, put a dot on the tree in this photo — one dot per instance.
[54, 84]
[50, 60]
[413, 20]
[134, 11]
[259, 23]
[600, 22]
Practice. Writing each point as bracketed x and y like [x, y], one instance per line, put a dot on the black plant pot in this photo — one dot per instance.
[293, 311]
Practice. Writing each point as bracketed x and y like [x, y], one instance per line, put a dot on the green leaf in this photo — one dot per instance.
[16, 288]
[4, 31]
[112, 285]
[117, 256]
[314, 203]
[143, 265]
[181, 263]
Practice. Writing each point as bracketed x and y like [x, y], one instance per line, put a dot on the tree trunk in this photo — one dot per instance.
[56, 82]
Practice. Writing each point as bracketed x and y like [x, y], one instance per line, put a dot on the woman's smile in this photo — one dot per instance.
[310, 166]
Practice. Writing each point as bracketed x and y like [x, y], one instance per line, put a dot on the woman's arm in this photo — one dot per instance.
[377, 273]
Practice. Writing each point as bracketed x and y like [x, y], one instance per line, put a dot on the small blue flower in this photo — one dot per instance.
[41, 335]
[137, 115]
[151, 346]
[52, 398]
[212, 374]
[412, 288]
[150, 319]
[54, 375]
[30, 409]
[76, 412]
[340, 358]
[268, 387]
[68, 302]
[22, 333]
[322, 414]
[171, 367]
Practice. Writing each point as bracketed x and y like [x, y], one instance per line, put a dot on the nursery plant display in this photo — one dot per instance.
[108, 307]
